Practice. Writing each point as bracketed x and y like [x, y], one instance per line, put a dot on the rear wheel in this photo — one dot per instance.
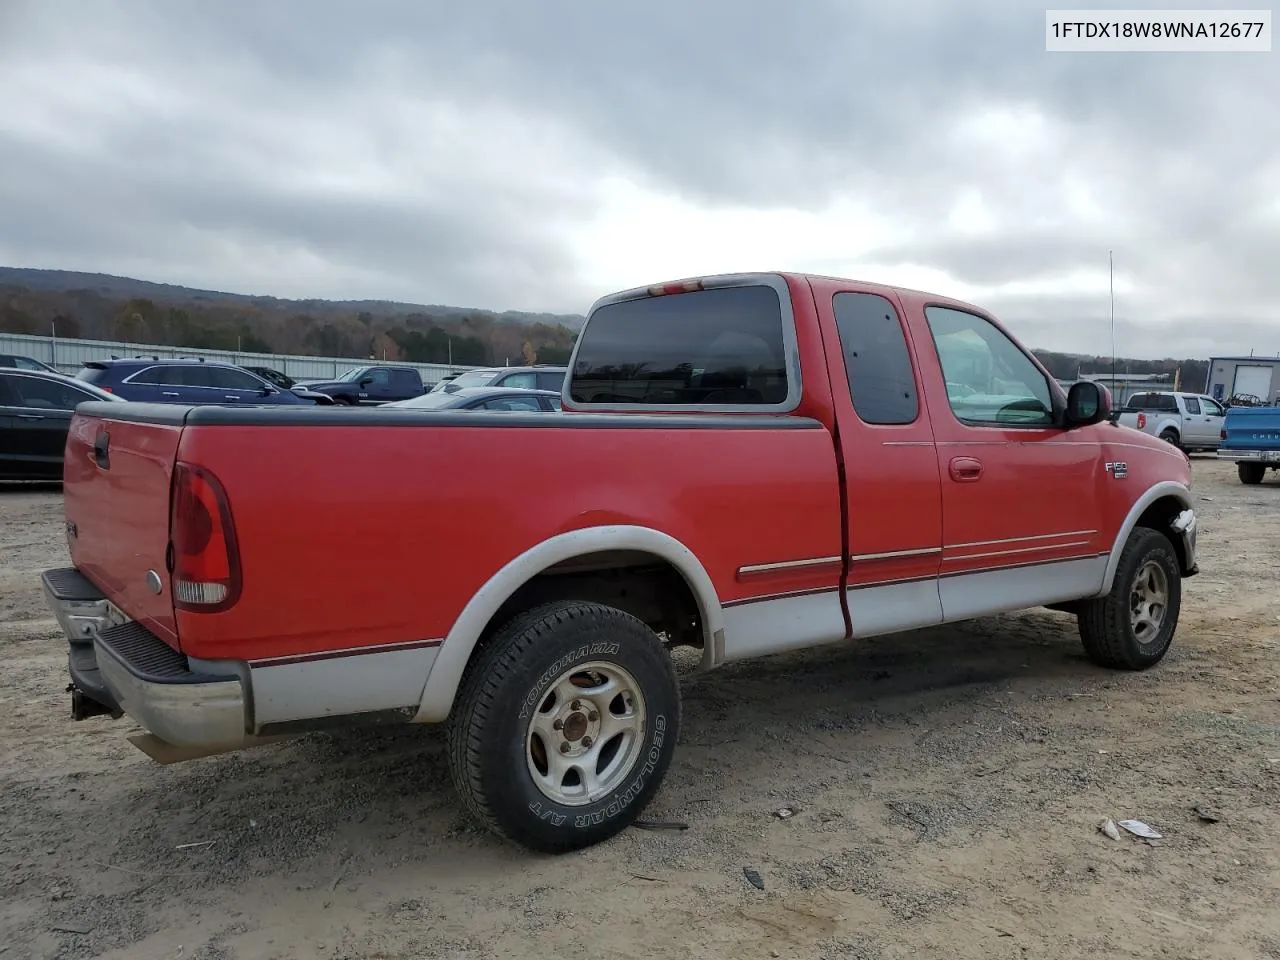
[1170, 436]
[1251, 473]
[1132, 627]
[565, 726]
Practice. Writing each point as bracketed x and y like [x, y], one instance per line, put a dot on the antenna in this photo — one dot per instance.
[1112, 266]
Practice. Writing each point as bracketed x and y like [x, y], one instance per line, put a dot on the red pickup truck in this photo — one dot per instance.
[745, 464]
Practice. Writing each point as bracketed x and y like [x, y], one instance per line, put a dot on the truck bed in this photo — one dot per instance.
[309, 514]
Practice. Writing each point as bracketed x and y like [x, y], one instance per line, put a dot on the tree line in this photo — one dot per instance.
[276, 326]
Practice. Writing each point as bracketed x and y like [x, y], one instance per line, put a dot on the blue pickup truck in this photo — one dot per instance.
[1251, 437]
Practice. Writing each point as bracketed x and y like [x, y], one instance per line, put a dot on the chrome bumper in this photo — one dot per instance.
[1250, 456]
[122, 667]
[1184, 527]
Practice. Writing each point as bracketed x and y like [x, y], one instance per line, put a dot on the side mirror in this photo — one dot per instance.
[1087, 403]
[268, 391]
[366, 381]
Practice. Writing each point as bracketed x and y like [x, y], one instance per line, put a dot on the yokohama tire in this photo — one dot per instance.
[1251, 473]
[1111, 627]
[502, 739]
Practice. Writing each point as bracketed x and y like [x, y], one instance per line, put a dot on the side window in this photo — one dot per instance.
[158, 374]
[8, 395]
[229, 379]
[551, 381]
[1212, 407]
[1193, 406]
[525, 381]
[990, 382]
[514, 403]
[380, 376]
[554, 403]
[40, 394]
[404, 381]
[876, 361]
[22, 363]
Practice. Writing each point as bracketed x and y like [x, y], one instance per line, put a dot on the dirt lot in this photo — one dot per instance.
[948, 787]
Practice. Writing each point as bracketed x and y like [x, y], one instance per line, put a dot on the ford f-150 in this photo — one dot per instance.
[746, 464]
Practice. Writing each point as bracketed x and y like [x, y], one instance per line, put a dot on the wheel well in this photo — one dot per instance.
[1158, 516]
[641, 584]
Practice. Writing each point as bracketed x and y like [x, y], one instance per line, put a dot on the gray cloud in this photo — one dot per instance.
[200, 142]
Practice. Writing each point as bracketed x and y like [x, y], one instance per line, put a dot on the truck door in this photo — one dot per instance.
[1022, 499]
[893, 514]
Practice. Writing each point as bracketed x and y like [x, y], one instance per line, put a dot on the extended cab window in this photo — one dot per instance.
[720, 347]
[1193, 405]
[990, 382]
[881, 380]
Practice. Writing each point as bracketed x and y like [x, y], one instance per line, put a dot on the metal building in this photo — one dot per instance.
[1244, 376]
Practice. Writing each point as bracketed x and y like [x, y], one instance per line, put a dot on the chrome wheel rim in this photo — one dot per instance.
[1148, 601]
[586, 734]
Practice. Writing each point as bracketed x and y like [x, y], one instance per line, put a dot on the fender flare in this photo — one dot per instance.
[1165, 488]
[455, 652]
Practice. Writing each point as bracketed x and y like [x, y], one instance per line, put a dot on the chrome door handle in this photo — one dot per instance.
[29, 416]
[229, 397]
[165, 393]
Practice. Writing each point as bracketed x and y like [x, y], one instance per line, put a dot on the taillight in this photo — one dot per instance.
[1222, 434]
[1142, 421]
[205, 565]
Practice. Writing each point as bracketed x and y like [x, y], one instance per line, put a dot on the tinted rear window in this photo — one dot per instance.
[711, 347]
[91, 374]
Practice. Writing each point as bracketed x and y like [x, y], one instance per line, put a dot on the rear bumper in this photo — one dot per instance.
[121, 667]
[1251, 456]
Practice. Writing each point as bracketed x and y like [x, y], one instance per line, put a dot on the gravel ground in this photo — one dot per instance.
[947, 787]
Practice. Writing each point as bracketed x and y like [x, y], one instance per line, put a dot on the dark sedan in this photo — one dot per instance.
[35, 413]
[483, 398]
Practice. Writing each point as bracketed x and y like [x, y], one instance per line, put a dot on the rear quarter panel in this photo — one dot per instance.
[359, 535]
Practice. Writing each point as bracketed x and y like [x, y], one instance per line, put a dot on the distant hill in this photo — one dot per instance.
[104, 307]
[65, 281]
[99, 306]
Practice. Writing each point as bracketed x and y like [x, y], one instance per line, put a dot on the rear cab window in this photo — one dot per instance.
[728, 344]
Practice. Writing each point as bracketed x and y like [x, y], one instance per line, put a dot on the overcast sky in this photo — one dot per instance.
[511, 154]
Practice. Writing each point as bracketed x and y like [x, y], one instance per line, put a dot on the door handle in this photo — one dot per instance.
[166, 393]
[101, 450]
[30, 416]
[965, 469]
[230, 397]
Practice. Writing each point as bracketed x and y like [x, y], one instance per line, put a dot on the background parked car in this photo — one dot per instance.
[537, 377]
[484, 398]
[371, 386]
[186, 381]
[25, 363]
[35, 413]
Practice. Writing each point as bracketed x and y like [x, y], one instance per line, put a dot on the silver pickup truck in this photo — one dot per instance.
[1190, 421]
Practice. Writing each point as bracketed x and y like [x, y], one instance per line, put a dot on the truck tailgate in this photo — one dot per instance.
[116, 491]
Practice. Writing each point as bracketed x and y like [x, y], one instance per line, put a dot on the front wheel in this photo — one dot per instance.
[1251, 473]
[1132, 627]
[565, 726]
